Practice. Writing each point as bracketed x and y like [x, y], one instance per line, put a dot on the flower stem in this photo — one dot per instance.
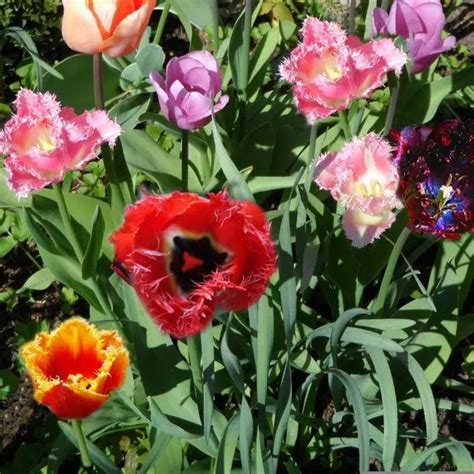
[98, 81]
[352, 9]
[109, 164]
[394, 91]
[244, 66]
[194, 361]
[343, 122]
[387, 277]
[184, 158]
[161, 24]
[311, 155]
[215, 25]
[66, 219]
[312, 142]
[81, 441]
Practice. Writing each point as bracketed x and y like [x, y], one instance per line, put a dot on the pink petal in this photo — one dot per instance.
[362, 229]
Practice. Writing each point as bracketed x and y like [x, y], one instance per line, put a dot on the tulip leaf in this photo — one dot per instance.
[39, 281]
[150, 58]
[94, 246]
[163, 423]
[98, 457]
[76, 92]
[8, 199]
[128, 111]
[144, 155]
[418, 104]
[234, 178]
[227, 447]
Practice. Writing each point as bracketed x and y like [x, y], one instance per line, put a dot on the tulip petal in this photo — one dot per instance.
[72, 402]
[126, 37]
[79, 28]
[362, 229]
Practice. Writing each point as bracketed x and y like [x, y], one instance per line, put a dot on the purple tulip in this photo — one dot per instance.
[188, 92]
[420, 22]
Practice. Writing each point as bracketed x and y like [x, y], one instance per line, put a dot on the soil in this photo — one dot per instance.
[20, 414]
[461, 24]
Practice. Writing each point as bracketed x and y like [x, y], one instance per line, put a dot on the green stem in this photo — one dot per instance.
[184, 158]
[343, 122]
[66, 219]
[215, 25]
[109, 164]
[395, 89]
[387, 277]
[161, 24]
[311, 155]
[312, 143]
[98, 81]
[352, 9]
[81, 441]
[194, 361]
[244, 67]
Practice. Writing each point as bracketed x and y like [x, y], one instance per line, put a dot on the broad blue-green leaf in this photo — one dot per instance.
[94, 246]
[76, 89]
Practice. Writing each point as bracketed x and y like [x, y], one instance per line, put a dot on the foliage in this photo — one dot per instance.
[328, 371]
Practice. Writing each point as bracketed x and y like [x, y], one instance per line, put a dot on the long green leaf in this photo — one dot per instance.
[235, 179]
[94, 246]
[98, 457]
[389, 403]
[355, 399]
[227, 447]
[207, 359]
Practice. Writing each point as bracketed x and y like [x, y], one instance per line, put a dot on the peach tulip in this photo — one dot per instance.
[113, 27]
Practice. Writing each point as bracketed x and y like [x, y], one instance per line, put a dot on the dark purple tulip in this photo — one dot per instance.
[421, 23]
[188, 91]
[436, 169]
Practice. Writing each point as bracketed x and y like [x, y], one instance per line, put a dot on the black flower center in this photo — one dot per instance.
[192, 260]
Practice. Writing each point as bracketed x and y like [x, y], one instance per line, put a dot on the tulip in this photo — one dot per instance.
[330, 69]
[363, 178]
[75, 367]
[113, 27]
[188, 256]
[421, 23]
[188, 91]
[436, 168]
[43, 141]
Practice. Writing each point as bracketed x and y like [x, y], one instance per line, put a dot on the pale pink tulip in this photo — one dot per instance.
[363, 178]
[329, 69]
[43, 141]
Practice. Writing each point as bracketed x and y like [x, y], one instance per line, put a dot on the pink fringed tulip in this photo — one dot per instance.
[43, 141]
[421, 23]
[363, 178]
[188, 92]
[114, 27]
[329, 69]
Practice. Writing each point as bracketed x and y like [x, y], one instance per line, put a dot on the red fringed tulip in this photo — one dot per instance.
[363, 178]
[43, 141]
[329, 69]
[187, 94]
[113, 27]
[436, 169]
[187, 256]
[75, 367]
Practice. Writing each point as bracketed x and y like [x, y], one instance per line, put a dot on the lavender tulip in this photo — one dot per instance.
[187, 94]
[421, 23]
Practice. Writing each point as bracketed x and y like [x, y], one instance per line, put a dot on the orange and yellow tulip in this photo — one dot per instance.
[113, 27]
[75, 367]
